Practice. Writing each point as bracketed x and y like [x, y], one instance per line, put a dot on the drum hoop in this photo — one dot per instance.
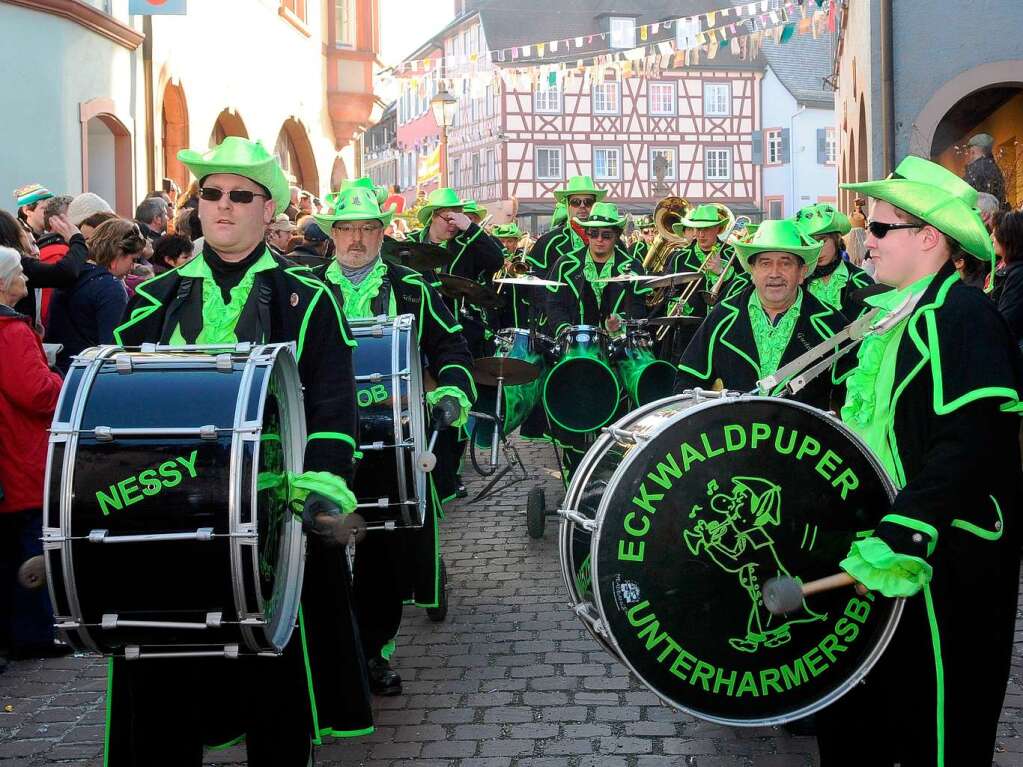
[279, 360]
[872, 657]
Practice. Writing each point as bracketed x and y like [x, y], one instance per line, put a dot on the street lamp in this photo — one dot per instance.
[444, 106]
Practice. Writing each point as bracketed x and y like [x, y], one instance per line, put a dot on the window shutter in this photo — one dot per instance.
[822, 146]
[758, 147]
[785, 153]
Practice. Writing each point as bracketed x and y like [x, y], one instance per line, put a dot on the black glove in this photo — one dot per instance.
[314, 525]
[446, 412]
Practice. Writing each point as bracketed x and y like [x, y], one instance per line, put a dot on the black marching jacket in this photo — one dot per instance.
[575, 302]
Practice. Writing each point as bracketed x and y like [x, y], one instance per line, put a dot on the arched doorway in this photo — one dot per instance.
[338, 173]
[175, 133]
[106, 154]
[228, 123]
[295, 154]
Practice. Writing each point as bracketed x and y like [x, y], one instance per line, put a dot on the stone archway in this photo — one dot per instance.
[175, 133]
[107, 154]
[338, 173]
[295, 154]
[228, 123]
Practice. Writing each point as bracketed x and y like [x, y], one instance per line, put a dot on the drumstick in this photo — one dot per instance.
[784, 594]
[32, 573]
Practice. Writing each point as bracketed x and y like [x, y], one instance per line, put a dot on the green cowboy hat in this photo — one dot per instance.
[822, 218]
[503, 231]
[360, 183]
[579, 185]
[241, 157]
[354, 203]
[445, 197]
[936, 195]
[784, 236]
[643, 222]
[473, 208]
[560, 215]
[704, 217]
[603, 214]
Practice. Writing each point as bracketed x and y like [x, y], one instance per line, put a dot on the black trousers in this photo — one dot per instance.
[26, 618]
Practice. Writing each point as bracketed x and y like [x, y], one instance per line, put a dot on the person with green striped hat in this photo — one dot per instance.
[834, 278]
[393, 567]
[162, 712]
[750, 334]
[936, 396]
[28, 200]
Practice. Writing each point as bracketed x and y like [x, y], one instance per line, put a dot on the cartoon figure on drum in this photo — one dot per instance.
[401, 564]
[163, 710]
[750, 334]
[936, 396]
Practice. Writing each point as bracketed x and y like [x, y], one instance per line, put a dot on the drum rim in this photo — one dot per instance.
[886, 633]
[606, 364]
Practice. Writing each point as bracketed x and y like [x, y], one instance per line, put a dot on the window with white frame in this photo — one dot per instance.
[662, 159]
[548, 162]
[547, 100]
[717, 164]
[717, 99]
[491, 165]
[456, 173]
[623, 32]
[606, 163]
[475, 169]
[605, 98]
[661, 98]
[830, 146]
[772, 147]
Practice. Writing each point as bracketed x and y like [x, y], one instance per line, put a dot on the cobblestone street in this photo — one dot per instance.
[510, 678]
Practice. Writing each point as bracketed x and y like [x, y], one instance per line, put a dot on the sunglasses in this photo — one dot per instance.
[240, 196]
[581, 202]
[879, 229]
[604, 234]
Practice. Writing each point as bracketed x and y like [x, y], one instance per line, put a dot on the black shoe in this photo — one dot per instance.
[461, 492]
[383, 680]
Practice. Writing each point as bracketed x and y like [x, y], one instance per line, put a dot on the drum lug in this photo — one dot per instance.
[103, 434]
[578, 519]
[214, 620]
[132, 652]
[96, 536]
[124, 364]
[52, 538]
[370, 378]
[209, 432]
[584, 610]
[225, 364]
[66, 624]
[624, 436]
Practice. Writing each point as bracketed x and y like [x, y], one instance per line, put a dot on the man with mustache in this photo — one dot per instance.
[402, 565]
[752, 333]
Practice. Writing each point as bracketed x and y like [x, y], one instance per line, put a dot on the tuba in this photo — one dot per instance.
[670, 210]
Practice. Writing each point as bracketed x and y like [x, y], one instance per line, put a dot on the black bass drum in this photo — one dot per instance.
[689, 506]
[167, 529]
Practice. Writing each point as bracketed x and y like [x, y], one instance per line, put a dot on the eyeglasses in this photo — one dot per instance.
[365, 229]
[240, 196]
[581, 202]
[879, 228]
[604, 234]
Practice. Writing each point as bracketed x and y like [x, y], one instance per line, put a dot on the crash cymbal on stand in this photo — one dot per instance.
[474, 293]
[513, 372]
[420, 256]
[529, 279]
[673, 280]
[682, 321]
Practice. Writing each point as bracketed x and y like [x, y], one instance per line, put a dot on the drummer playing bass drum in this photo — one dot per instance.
[584, 299]
[392, 567]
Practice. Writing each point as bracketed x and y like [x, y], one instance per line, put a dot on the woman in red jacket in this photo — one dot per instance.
[28, 396]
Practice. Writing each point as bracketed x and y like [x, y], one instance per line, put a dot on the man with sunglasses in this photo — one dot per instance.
[586, 299]
[936, 395]
[393, 567]
[162, 712]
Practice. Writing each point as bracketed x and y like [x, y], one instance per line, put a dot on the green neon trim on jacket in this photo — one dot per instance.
[305, 325]
[468, 376]
[425, 304]
[435, 396]
[304, 275]
[388, 649]
[435, 505]
[332, 435]
[939, 675]
[309, 678]
[228, 744]
[980, 532]
[142, 312]
[718, 330]
[915, 524]
[348, 733]
[110, 699]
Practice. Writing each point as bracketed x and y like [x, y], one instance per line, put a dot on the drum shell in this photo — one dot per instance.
[644, 377]
[581, 392]
[517, 401]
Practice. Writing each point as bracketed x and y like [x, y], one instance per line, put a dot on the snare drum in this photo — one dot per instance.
[581, 392]
[679, 514]
[390, 488]
[166, 529]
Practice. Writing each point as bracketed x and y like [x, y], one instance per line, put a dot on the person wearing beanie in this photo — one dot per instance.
[982, 172]
[936, 395]
[85, 205]
[30, 211]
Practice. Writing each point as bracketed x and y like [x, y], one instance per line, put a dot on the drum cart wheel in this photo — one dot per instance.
[440, 612]
[536, 512]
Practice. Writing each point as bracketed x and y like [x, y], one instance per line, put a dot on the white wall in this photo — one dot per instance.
[801, 181]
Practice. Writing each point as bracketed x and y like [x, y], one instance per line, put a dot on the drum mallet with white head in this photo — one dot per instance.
[783, 595]
[444, 414]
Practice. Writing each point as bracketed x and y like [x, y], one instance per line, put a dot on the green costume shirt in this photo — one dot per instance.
[867, 408]
[830, 292]
[592, 275]
[772, 338]
[359, 298]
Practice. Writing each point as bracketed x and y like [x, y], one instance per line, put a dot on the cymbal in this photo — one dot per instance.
[673, 280]
[682, 321]
[529, 279]
[514, 372]
[420, 256]
[627, 277]
[476, 294]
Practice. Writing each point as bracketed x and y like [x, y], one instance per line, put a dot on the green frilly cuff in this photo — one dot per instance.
[297, 487]
[433, 397]
[872, 562]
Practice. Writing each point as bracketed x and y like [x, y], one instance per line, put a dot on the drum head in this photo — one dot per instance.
[718, 500]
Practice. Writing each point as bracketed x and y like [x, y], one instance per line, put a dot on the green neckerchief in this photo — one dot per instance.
[219, 319]
[359, 298]
[591, 274]
[868, 390]
[830, 292]
[772, 339]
